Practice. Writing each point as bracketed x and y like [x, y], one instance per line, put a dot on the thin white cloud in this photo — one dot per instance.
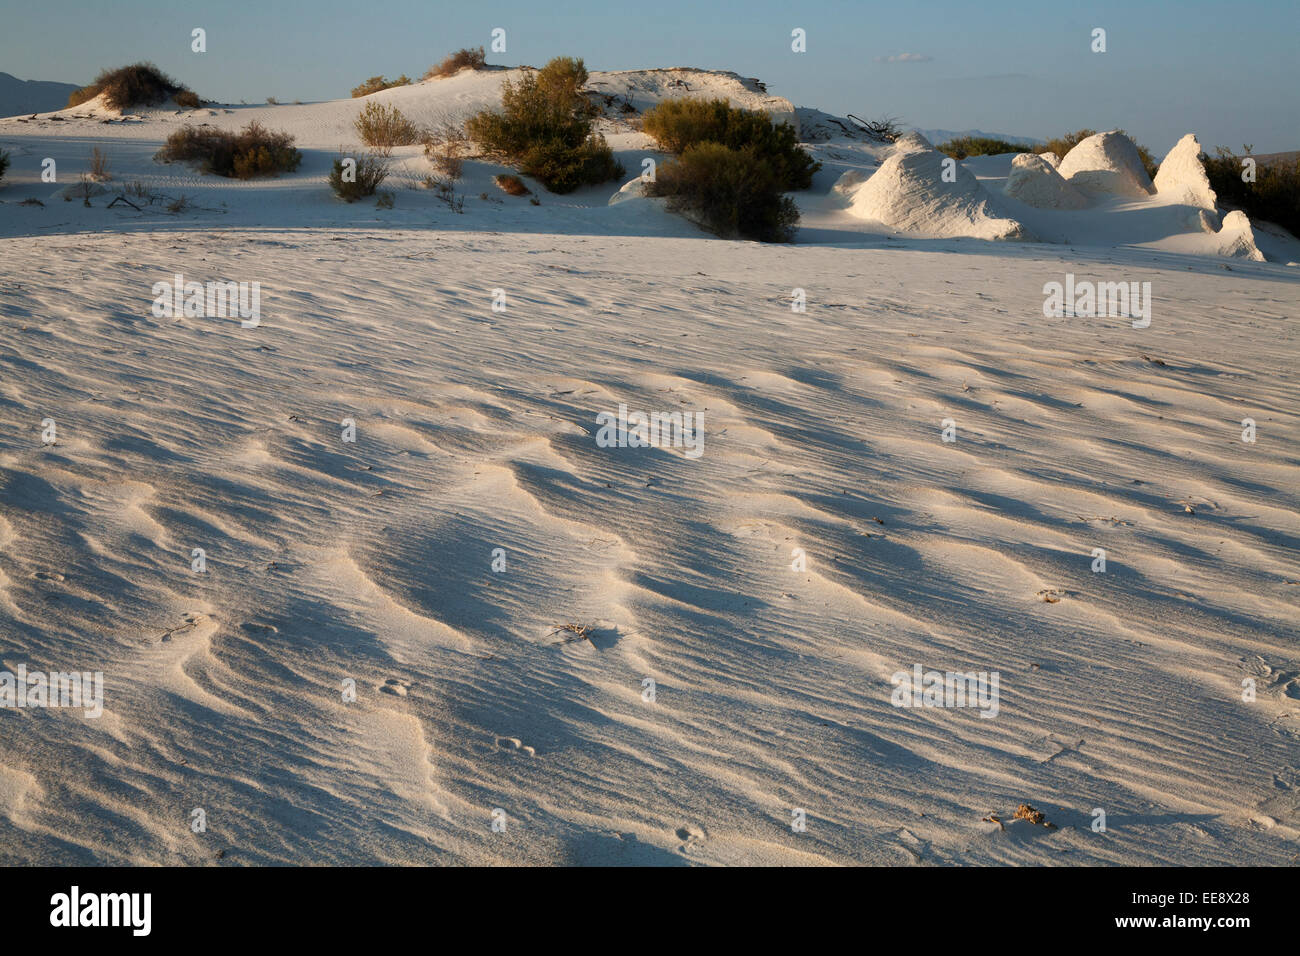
[905, 58]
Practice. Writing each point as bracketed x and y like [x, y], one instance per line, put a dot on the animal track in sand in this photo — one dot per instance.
[396, 687]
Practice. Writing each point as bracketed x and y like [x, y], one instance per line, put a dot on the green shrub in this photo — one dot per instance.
[253, 151]
[730, 192]
[378, 83]
[964, 146]
[681, 123]
[454, 63]
[1274, 196]
[386, 126]
[544, 129]
[371, 171]
[563, 168]
[140, 84]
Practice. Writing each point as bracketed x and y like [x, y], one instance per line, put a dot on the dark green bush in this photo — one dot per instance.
[964, 146]
[253, 151]
[140, 84]
[371, 171]
[681, 123]
[4, 163]
[730, 192]
[1274, 196]
[544, 129]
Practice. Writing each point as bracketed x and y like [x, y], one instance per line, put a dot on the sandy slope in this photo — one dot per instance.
[475, 431]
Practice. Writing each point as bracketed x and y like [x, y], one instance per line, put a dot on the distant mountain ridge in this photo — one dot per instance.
[19, 97]
[937, 136]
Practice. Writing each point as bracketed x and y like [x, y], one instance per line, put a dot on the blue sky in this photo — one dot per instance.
[1226, 71]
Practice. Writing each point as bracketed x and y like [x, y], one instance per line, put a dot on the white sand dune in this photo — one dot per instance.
[1106, 164]
[1035, 182]
[826, 538]
[911, 193]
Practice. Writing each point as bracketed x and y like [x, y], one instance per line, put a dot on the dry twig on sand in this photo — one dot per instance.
[577, 632]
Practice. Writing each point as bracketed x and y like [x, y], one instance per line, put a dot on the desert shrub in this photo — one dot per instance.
[446, 148]
[188, 99]
[451, 165]
[445, 190]
[253, 151]
[98, 163]
[964, 146]
[544, 129]
[378, 83]
[381, 125]
[1274, 196]
[140, 84]
[474, 59]
[4, 163]
[730, 192]
[1063, 144]
[512, 185]
[681, 123]
[371, 171]
[563, 168]
[83, 95]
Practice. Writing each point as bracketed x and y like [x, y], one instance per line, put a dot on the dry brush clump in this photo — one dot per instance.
[253, 151]
[511, 185]
[887, 129]
[446, 147]
[377, 84]
[355, 177]
[473, 59]
[386, 126]
[544, 129]
[98, 164]
[140, 84]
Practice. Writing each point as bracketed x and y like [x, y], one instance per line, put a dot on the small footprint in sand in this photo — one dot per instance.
[397, 688]
[514, 744]
[47, 576]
